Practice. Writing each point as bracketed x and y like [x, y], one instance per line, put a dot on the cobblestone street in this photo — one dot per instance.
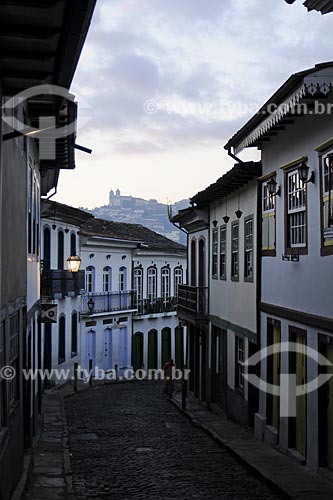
[127, 441]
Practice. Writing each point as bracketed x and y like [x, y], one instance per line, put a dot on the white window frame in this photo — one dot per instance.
[296, 211]
[152, 284]
[138, 285]
[122, 279]
[268, 208]
[165, 284]
[90, 279]
[107, 279]
[178, 279]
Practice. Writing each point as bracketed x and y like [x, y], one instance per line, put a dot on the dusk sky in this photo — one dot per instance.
[166, 83]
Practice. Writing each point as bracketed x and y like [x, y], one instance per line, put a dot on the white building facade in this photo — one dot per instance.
[119, 311]
[296, 262]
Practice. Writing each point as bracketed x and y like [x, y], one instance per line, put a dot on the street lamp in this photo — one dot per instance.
[303, 172]
[73, 263]
[91, 305]
[272, 188]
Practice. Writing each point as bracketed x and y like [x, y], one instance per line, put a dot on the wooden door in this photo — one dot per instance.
[166, 345]
[91, 348]
[276, 375]
[137, 351]
[301, 400]
[152, 350]
[179, 347]
[107, 349]
[329, 355]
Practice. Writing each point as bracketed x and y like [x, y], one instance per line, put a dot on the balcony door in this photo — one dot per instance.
[194, 263]
[108, 365]
[90, 348]
[152, 349]
[137, 351]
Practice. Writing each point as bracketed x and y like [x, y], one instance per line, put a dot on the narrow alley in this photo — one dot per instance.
[127, 441]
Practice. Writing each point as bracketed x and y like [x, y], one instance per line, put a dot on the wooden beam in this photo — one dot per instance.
[25, 55]
[27, 31]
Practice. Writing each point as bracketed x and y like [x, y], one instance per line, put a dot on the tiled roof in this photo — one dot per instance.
[91, 226]
[234, 179]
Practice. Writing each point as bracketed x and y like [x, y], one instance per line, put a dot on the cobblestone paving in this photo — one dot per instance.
[127, 441]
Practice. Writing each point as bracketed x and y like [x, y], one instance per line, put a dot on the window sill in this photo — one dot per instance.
[235, 278]
[296, 251]
[248, 280]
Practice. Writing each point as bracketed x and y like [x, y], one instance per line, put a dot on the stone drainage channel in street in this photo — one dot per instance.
[127, 441]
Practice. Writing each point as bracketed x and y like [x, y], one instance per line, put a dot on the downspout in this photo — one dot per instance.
[234, 157]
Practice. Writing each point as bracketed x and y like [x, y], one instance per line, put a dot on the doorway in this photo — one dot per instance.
[297, 365]
[107, 343]
[166, 345]
[90, 348]
[325, 412]
[137, 351]
[273, 372]
[152, 350]
[218, 367]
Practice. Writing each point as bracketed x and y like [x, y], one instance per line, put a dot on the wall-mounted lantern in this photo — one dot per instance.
[226, 219]
[273, 188]
[239, 214]
[215, 223]
[74, 263]
[91, 305]
[303, 172]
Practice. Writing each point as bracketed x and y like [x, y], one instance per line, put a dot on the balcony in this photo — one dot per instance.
[155, 306]
[193, 303]
[58, 284]
[94, 303]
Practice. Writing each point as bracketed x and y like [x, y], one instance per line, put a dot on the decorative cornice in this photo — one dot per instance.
[311, 85]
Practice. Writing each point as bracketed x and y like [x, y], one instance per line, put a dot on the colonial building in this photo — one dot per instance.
[123, 313]
[220, 303]
[193, 297]
[159, 270]
[40, 44]
[293, 131]
[232, 205]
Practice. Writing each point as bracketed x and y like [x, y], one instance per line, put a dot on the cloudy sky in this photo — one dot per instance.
[165, 83]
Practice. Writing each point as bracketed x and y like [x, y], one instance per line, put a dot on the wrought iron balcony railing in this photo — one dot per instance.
[107, 302]
[155, 306]
[58, 283]
[193, 300]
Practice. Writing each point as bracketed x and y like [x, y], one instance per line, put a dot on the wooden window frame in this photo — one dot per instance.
[215, 254]
[267, 252]
[327, 249]
[233, 276]
[249, 279]
[153, 298]
[288, 249]
[239, 368]
[223, 276]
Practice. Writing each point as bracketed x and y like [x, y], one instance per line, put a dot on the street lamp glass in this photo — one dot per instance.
[271, 186]
[303, 172]
[73, 263]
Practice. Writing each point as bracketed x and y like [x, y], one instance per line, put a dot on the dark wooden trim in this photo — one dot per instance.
[319, 322]
[287, 249]
[234, 278]
[223, 278]
[324, 250]
[224, 324]
[246, 219]
[268, 253]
